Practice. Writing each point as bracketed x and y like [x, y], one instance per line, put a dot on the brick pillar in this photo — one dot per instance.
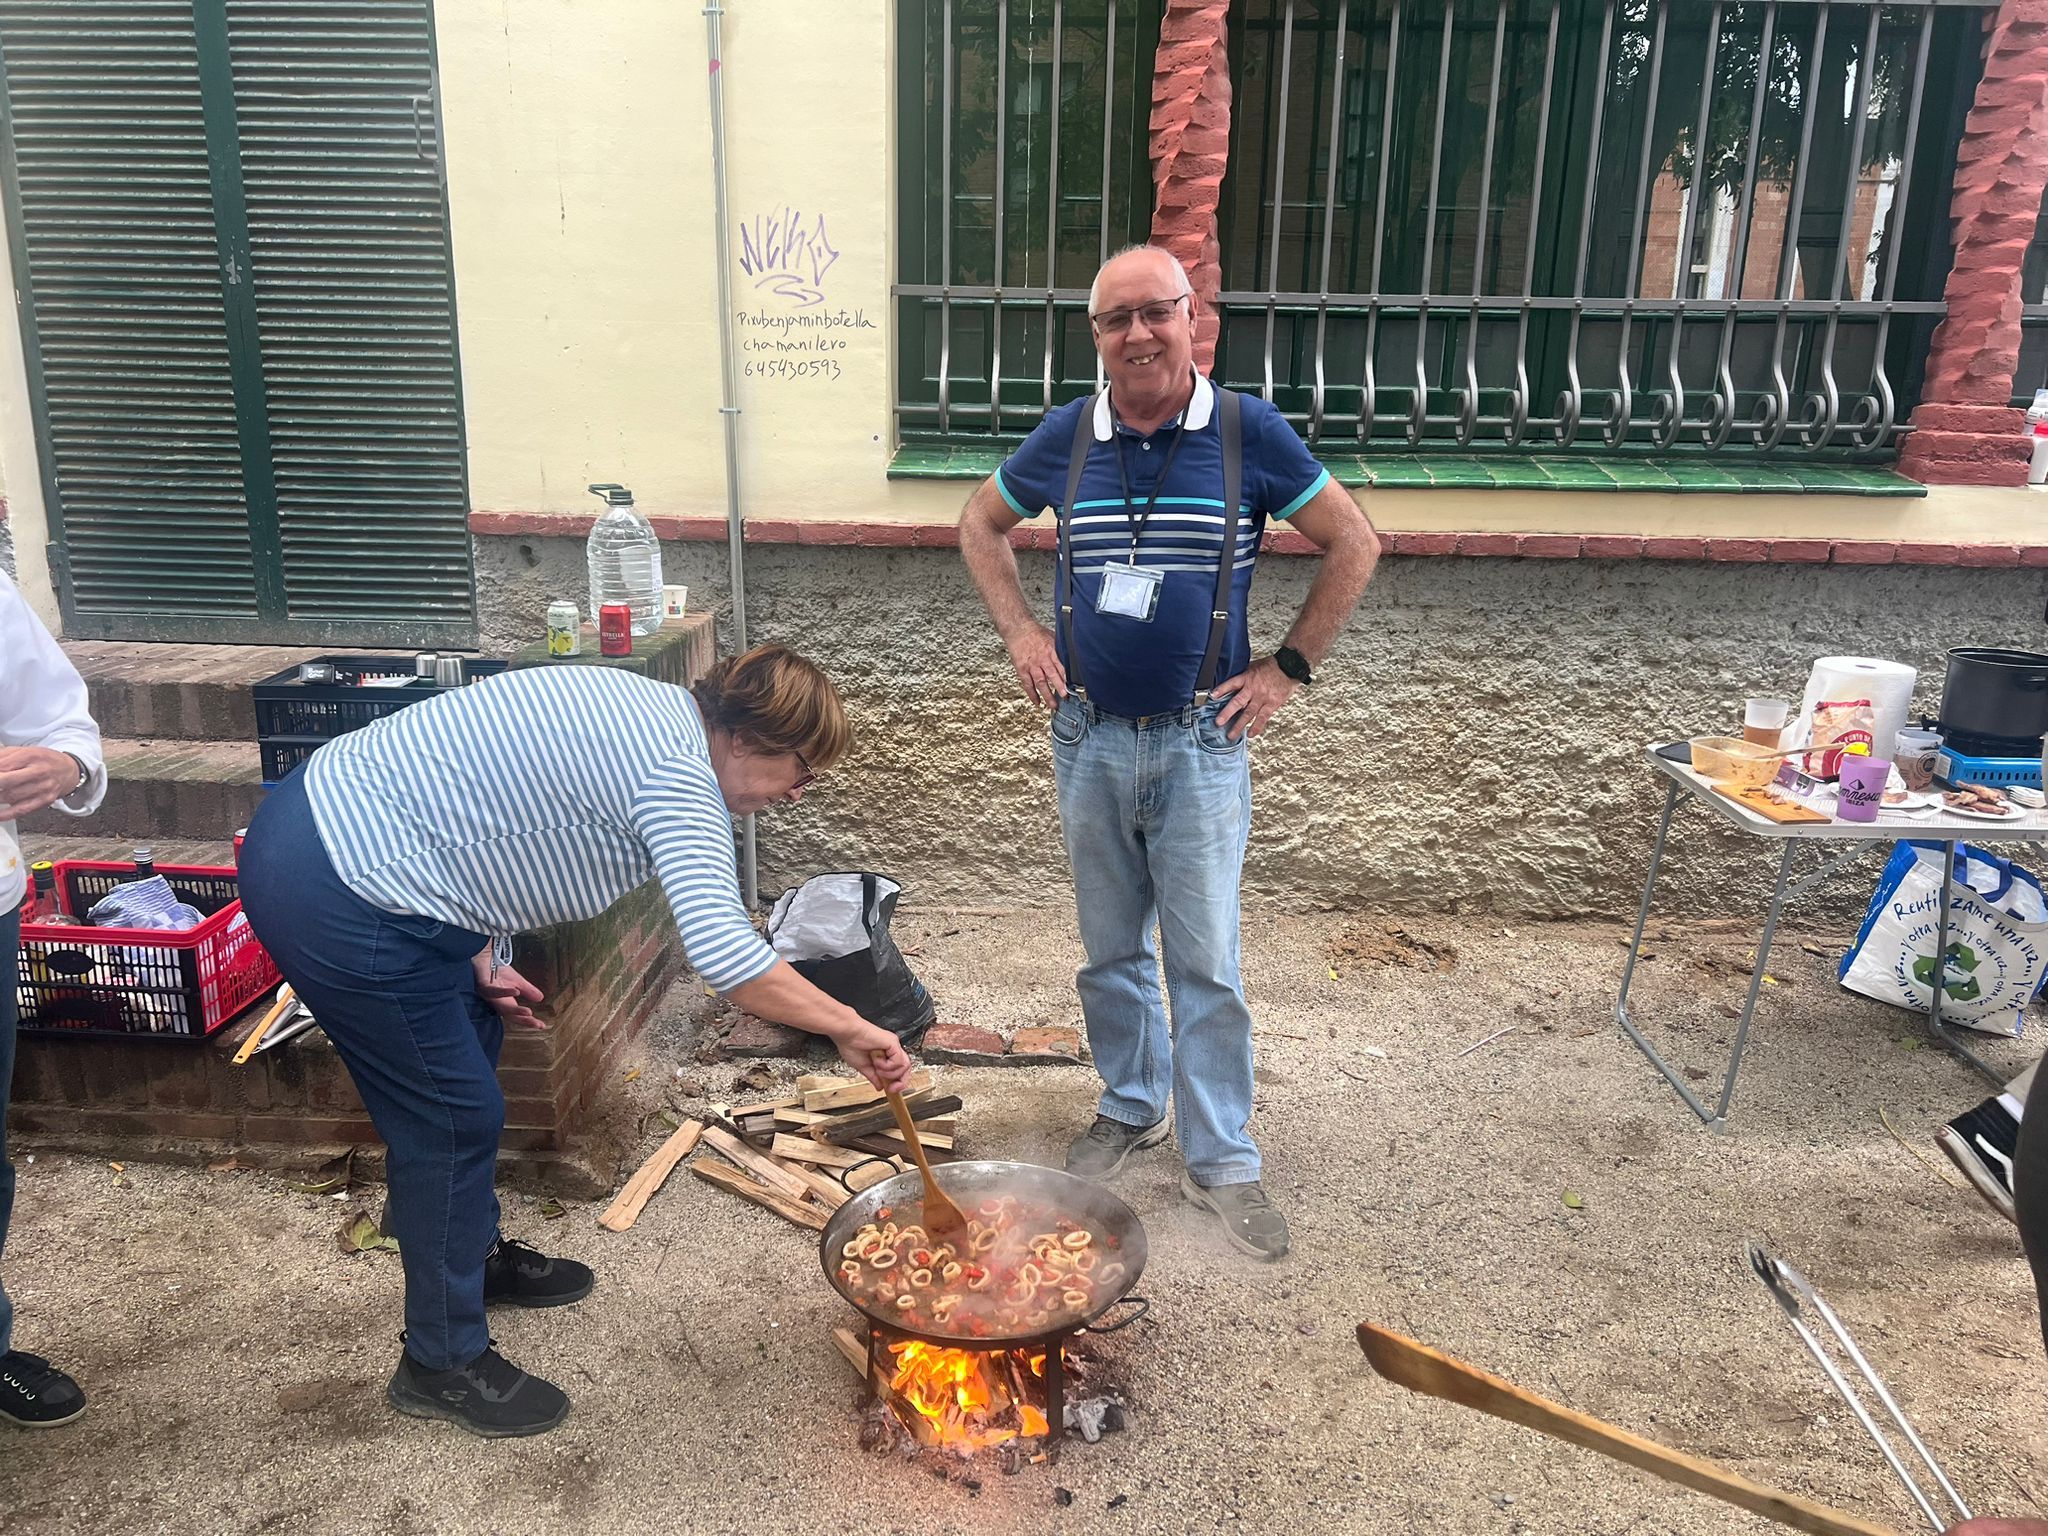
[1965, 431]
[1191, 148]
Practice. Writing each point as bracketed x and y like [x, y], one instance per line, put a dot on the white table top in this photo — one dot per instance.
[1890, 826]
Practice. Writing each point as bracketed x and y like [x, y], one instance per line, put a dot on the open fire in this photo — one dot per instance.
[968, 1400]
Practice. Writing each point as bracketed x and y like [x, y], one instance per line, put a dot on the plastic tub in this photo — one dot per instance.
[1730, 760]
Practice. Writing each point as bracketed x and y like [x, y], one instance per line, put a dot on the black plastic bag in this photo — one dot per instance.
[834, 930]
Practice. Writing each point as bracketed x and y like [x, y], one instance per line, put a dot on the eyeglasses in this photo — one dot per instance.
[1155, 314]
[805, 776]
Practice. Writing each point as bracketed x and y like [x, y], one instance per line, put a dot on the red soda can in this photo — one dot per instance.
[615, 629]
[244, 832]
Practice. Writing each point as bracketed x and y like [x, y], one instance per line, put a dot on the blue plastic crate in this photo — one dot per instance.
[1957, 768]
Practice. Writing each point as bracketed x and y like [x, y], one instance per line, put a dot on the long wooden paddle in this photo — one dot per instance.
[940, 1213]
[1422, 1369]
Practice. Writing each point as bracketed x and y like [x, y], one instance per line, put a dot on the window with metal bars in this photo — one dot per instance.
[1022, 163]
[1595, 226]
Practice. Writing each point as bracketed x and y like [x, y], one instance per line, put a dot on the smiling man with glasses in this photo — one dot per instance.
[1162, 485]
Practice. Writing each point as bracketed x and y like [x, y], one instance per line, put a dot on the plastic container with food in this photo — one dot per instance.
[1730, 760]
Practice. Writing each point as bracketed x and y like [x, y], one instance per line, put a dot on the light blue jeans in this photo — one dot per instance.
[1156, 812]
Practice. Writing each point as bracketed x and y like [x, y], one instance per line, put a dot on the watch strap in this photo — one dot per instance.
[1294, 664]
[84, 773]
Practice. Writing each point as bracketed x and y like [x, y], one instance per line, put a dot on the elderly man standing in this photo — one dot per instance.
[49, 755]
[1163, 484]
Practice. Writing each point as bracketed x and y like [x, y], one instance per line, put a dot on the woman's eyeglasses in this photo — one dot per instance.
[805, 777]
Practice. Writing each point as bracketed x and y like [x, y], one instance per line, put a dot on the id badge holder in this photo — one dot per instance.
[1129, 591]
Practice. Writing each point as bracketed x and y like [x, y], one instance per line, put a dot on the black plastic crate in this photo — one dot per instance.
[295, 719]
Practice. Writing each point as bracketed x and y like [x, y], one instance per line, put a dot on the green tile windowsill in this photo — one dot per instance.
[1513, 472]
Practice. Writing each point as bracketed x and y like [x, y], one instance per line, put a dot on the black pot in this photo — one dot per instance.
[2002, 694]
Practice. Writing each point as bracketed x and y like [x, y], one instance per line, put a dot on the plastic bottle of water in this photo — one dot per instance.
[2037, 439]
[625, 560]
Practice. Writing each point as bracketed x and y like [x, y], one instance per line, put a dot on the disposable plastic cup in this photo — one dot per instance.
[1861, 787]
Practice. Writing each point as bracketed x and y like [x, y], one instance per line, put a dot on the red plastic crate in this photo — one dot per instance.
[136, 983]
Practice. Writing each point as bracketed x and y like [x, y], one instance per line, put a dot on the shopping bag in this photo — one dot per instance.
[834, 931]
[1997, 938]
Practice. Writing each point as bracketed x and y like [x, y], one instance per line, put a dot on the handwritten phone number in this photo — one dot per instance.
[793, 368]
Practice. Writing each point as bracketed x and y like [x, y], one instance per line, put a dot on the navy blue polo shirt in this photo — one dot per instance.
[1134, 667]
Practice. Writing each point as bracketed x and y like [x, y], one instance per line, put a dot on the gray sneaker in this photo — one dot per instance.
[1101, 1152]
[1250, 1220]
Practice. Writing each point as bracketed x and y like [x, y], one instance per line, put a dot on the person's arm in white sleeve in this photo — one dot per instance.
[46, 733]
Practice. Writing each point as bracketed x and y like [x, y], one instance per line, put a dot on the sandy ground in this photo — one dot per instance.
[236, 1359]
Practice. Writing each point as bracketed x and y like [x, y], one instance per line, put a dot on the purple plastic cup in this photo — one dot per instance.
[1862, 787]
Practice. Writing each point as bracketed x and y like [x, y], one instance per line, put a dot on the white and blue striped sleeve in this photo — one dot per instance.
[679, 815]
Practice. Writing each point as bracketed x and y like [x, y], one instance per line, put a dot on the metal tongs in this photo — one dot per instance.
[1795, 1293]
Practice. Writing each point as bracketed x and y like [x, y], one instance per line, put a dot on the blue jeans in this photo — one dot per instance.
[10, 963]
[1156, 813]
[398, 998]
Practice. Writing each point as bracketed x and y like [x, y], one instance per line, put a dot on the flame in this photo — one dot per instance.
[967, 1400]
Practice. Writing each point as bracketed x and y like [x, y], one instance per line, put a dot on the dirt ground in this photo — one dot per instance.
[236, 1359]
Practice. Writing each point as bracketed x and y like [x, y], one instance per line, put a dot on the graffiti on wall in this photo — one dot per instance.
[794, 332]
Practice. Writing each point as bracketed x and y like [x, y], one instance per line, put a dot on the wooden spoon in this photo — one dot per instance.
[1422, 1369]
[940, 1213]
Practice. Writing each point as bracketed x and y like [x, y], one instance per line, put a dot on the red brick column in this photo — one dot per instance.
[1965, 432]
[1191, 147]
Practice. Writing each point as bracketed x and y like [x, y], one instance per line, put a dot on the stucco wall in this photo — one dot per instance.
[1470, 747]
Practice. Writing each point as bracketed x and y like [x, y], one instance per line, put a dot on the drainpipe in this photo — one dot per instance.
[729, 409]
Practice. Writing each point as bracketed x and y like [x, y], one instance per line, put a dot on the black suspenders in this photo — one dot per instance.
[1230, 427]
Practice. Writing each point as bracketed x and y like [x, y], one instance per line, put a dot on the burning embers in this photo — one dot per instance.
[969, 1401]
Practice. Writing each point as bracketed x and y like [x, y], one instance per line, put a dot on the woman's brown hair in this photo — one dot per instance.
[780, 702]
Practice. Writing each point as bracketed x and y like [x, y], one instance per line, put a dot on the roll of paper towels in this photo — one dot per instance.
[1888, 685]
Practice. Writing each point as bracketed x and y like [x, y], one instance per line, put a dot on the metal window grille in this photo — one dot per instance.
[1521, 225]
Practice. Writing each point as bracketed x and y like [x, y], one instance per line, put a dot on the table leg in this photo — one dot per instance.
[1716, 1118]
[1935, 1027]
[1635, 942]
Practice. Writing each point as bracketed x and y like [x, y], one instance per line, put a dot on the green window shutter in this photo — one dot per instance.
[347, 223]
[230, 234]
[118, 266]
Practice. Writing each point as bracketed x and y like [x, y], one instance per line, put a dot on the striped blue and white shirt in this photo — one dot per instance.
[539, 797]
[1135, 667]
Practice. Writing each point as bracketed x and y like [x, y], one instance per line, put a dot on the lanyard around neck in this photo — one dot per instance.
[1138, 521]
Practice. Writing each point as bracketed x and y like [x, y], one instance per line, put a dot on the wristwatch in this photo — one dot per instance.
[84, 774]
[1294, 664]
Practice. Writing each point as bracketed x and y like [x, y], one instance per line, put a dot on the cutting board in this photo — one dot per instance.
[1769, 806]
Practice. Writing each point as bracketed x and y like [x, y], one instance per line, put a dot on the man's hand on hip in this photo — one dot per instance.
[1037, 660]
[1253, 698]
[33, 777]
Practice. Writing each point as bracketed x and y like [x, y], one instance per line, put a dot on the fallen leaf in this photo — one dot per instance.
[552, 1209]
[1731, 1010]
[1333, 973]
[1812, 948]
[1697, 1074]
[1574, 1200]
[759, 1076]
[229, 1164]
[332, 1175]
[631, 1073]
[1770, 981]
[690, 1088]
[359, 1233]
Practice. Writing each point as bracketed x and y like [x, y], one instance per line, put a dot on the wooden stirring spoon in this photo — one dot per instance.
[940, 1213]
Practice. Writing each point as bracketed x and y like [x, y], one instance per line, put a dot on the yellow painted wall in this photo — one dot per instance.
[579, 164]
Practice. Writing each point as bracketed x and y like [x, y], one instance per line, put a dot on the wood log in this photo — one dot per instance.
[854, 1348]
[884, 1147]
[825, 1189]
[855, 1093]
[650, 1176]
[840, 1130]
[766, 1106]
[800, 1118]
[939, 1124]
[927, 1138]
[777, 1176]
[801, 1212]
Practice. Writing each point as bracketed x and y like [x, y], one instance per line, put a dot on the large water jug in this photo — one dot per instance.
[625, 560]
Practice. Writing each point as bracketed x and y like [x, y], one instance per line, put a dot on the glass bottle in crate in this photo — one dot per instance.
[44, 909]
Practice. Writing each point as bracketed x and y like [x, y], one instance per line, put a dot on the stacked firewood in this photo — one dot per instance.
[790, 1154]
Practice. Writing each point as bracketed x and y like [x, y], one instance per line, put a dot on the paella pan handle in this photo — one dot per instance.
[1141, 1305]
[841, 1174]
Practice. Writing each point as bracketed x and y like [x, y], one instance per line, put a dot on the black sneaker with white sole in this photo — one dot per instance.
[1983, 1143]
[1249, 1218]
[490, 1396]
[1101, 1151]
[526, 1277]
[34, 1394]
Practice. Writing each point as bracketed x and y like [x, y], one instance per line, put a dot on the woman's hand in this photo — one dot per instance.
[876, 1055]
[33, 777]
[510, 995]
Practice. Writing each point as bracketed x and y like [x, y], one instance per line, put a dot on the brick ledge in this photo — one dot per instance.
[1525, 546]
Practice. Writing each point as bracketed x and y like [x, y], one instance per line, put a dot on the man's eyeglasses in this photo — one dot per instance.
[805, 777]
[1155, 314]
